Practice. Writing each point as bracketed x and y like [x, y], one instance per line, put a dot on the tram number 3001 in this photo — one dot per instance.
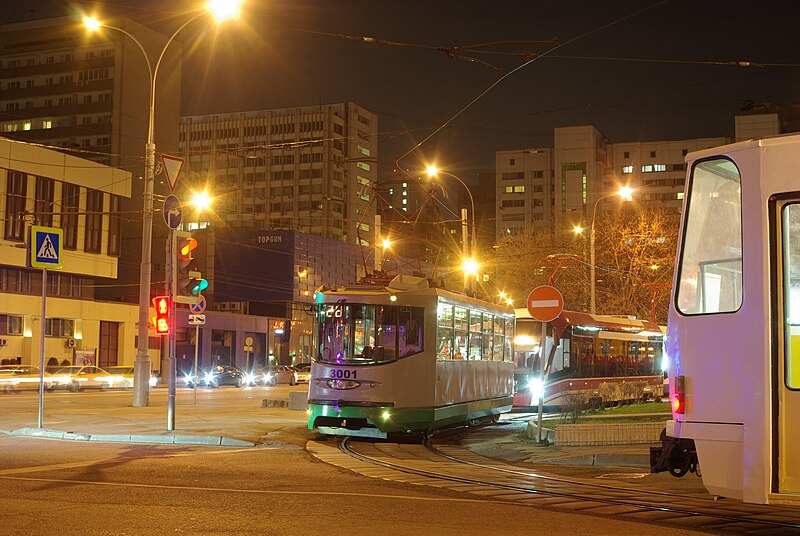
[345, 374]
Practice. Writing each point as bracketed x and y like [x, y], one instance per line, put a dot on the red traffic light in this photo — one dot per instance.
[162, 318]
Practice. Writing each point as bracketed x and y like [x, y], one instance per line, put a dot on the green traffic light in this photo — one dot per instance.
[200, 287]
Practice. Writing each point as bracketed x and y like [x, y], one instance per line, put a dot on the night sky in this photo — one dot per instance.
[284, 53]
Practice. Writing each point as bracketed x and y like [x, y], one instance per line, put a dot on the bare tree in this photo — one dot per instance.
[634, 258]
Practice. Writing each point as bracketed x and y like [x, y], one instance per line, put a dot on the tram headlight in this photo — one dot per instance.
[386, 415]
[536, 387]
[343, 385]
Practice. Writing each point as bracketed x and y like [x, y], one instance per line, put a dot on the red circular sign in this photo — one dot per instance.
[545, 303]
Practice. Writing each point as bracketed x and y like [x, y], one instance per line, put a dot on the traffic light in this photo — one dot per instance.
[162, 319]
[188, 281]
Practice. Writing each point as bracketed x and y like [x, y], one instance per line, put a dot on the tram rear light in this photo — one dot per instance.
[679, 401]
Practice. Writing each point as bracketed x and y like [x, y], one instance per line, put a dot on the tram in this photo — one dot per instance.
[592, 360]
[733, 337]
[406, 357]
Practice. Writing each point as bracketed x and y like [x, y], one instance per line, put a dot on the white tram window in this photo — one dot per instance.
[488, 335]
[410, 330]
[444, 331]
[509, 345]
[710, 278]
[475, 335]
[460, 317]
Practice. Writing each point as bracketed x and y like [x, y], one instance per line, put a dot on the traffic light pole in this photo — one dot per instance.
[171, 338]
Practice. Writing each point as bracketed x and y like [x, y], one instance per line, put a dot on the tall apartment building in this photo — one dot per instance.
[87, 93]
[558, 188]
[311, 168]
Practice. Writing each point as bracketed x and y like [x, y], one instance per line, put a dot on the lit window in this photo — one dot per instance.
[405, 185]
[26, 125]
[47, 124]
[660, 167]
[679, 195]
[405, 201]
[647, 169]
[627, 169]
[405, 193]
[519, 189]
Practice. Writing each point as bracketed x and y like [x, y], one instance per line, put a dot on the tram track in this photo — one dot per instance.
[457, 468]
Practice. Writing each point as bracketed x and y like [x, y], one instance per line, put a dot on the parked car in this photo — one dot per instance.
[275, 375]
[79, 377]
[303, 372]
[22, 377]
[122, 377]
[216, 376]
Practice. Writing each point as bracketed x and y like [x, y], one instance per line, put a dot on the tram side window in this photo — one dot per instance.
[488, 335]
[385, 346]
[710, 279]
[499, 338]
[410, 330]
[444, 332]
[791, 294]
[475, 335]
[460, 332]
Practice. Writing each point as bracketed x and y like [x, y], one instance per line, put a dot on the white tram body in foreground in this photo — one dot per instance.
[408, 358]
[733, 336]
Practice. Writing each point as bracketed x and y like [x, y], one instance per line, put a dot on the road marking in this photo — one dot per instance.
[255, 491]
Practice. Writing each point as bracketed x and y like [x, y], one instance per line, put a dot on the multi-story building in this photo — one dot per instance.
[87, 93]
[311, 168]
[523, 190]
[559, 188]
[43, 187]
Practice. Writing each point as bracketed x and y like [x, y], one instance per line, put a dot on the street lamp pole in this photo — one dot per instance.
[471, 244]
[625, 194]
[142, 365]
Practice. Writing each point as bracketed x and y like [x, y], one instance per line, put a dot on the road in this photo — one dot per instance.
[80, 487]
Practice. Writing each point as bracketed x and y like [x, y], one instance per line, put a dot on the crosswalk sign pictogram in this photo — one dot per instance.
[45, 247]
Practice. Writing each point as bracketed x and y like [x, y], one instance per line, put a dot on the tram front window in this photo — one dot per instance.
[366, 334]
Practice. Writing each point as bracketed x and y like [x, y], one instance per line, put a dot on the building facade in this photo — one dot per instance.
[87, 93]
[310, 169]
[558, 188]
[43, 187]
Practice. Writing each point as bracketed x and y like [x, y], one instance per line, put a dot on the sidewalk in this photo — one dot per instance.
[240, 421]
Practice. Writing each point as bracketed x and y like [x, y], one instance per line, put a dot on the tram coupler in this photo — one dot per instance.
[678, 456]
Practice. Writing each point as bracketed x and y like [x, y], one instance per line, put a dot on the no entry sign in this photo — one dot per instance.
[545, 303]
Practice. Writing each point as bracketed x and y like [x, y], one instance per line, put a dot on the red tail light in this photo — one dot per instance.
[679, 401]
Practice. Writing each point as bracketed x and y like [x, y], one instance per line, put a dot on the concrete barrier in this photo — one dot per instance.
[298, 400]
[608, 433]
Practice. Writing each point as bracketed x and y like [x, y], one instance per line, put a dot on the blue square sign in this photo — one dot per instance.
[45, 247]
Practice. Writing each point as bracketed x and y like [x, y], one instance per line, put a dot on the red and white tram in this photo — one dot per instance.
[596, 360]
[733, 338]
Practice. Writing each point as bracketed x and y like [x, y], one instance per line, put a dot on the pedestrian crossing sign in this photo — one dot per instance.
[45, 247]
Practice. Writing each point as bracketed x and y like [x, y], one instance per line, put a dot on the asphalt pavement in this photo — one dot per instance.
[251, 417]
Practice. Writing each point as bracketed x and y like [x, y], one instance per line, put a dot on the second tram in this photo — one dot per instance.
[733, 338]
[589, 360]
[408, 358]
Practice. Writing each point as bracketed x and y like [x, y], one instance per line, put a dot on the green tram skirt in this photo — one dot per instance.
[377, 421]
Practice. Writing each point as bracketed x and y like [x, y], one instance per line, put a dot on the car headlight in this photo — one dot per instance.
[537, 389]
[249, 378]
[208, 378]
[268, 377]
[153, 381]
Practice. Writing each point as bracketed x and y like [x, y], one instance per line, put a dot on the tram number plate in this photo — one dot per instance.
[343, 374]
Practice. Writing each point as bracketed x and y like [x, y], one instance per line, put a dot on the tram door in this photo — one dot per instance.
[787, 365]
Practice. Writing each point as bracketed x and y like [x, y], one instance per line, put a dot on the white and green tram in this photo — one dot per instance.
[408, 358]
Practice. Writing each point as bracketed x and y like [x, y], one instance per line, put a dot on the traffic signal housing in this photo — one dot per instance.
[161, 321]
[188, 282]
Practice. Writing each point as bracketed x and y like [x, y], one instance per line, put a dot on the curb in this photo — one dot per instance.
[133, 438]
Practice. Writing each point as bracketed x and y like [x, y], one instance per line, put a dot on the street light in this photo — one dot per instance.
[470, 264]
[625, 193]
[221, 11]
